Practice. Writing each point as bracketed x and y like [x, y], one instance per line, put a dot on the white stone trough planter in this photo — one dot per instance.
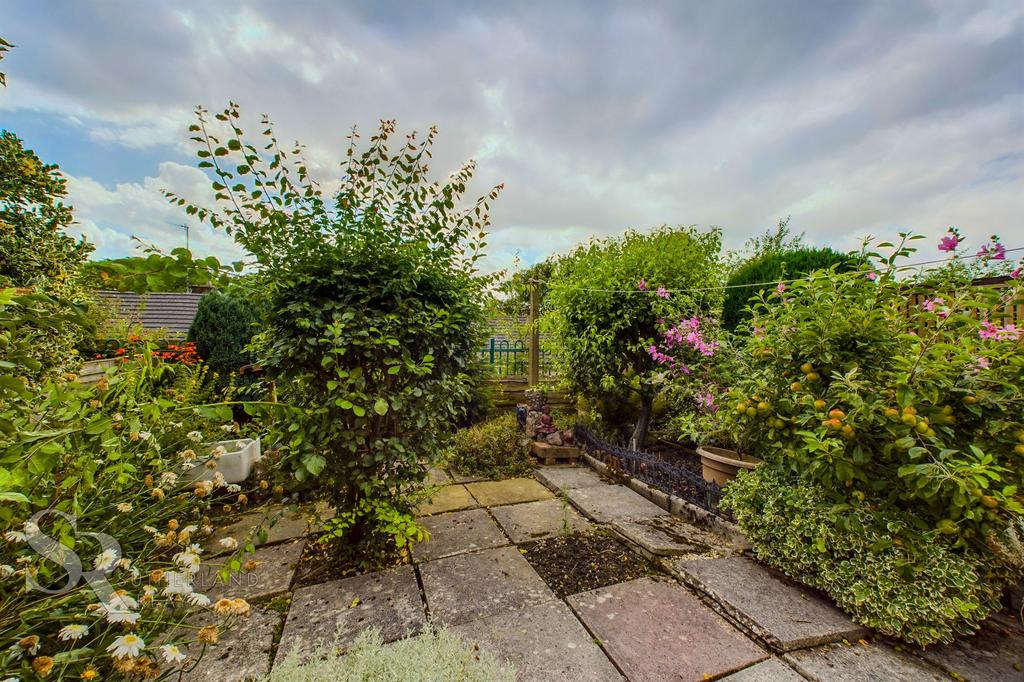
[236, 464]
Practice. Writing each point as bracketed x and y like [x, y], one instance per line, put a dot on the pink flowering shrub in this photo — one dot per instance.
[893, 411]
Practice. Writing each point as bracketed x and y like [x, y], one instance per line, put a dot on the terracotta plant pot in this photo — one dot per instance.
[721, 465]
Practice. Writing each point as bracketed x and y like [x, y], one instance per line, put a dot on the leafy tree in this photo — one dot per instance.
[605, 301]
[34, 249]
[221, 331]
[373, 309]
[770, 267]
[35, 252]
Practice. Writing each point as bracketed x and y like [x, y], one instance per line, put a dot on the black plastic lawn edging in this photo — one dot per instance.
[672, 479]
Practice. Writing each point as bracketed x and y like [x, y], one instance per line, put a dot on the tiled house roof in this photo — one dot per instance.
[172, 311]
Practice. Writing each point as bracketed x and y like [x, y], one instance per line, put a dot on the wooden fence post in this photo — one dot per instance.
[533, 370]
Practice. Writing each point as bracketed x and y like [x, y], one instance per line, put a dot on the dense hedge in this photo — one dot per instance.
[771, 267]
[221, 331]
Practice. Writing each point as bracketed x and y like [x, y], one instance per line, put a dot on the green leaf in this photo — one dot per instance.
[380, 407]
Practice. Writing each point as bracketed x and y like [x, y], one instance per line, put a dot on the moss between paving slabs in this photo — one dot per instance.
[570, 564]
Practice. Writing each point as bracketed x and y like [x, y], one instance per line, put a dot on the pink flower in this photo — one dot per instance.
[872, 276]
[781, 287]
[988, 330]
[1016, 273]
[950, 241]
[993, 251]
[642, 285]
[663, 292]
[981, 363]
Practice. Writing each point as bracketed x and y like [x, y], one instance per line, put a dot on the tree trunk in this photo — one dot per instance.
[643, 422]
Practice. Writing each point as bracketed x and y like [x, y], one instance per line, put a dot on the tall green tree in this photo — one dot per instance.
[605, 300]
[35, 250]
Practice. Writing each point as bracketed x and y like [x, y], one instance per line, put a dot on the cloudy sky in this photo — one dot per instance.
[853, 117]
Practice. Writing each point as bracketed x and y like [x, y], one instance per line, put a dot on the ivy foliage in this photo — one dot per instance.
[773, 267]
[221, 331]
[373, 308]
[603, 307]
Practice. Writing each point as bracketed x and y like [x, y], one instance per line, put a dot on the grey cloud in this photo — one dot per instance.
[853, 116]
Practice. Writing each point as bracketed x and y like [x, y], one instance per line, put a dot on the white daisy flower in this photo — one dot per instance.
[117, 417]
[72, 632]
[234, 488]
[121, 616]
[218, 479]
[228, 543]
[145, 435]
[15, 536]
[172, 654]
[177, 583]
[187, 560]
[105, 560]
[150, 529]
[124, 507]
[192, 529]
[6, 570]
[218, 452]
[168, 479]
[197, 599]
[130, 646]
[194, 436]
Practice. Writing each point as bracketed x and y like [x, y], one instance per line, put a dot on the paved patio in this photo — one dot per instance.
[711, 615]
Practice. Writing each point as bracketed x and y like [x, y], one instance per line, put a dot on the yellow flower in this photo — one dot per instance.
[208, 634]
[223, 606]
[42, 665]
[90, 674]
[158, 493]
[243, 499]
[172, 524]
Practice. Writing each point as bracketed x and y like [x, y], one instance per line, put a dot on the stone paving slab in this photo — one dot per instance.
[510, 491]
[772, 670]
[437, 476]
[544, 642]
[466, 478]
[787, 616]
[989, 655]
[471, 586]
[559, 478]
[457, 533]
[858, 663]
[275, 568]
[540, 519]
[446, 499]
[278, 522]
[387, 600]
[658, 630]
[608, 503]
[241, 653]
[666, 536]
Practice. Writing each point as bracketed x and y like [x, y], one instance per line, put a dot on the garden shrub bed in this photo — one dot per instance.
[494, 448]
[571, 564]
